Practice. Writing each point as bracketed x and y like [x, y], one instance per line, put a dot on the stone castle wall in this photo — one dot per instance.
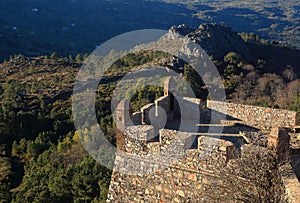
[146, 112]
[258, 117]
[161, 184]
[169, 144]
[290, 183]
[164, 103]
[172, 169]
[173, 166]
[187, 178]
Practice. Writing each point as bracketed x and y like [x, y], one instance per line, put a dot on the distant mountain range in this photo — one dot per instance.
[35, 27]
[219, 40]
[274, 20]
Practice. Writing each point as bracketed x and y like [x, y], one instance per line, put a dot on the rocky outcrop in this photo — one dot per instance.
[217, 40]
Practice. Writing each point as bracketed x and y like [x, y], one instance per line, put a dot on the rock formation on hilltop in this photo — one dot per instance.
[217, 40]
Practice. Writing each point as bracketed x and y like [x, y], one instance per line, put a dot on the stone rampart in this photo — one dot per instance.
[171, 169]
[137, 118]
[258, 117]
[189, 108]
[163, 102]
[171, 144]
[146, 112]
[158, 184]
[290, 184]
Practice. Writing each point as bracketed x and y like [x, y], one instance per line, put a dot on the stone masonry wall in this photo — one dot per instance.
[172, 144]
[290, 183]
[190, 108]
[164, 103]
[146, 112]
[174, 166]
[169, 170]
[258, 117]
[161, 184]
[137, 118]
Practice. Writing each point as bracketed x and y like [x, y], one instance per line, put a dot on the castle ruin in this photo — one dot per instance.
[158, 162]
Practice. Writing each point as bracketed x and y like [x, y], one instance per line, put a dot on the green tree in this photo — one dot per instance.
[230, 69]
[46, 60]
[78, 58]
[85, 180]
[70, 58]
[5, 195]
[193, 79]
[9, 106]
[85, 56]
[5, 169]
[261, 63]
[60, 184]
[233, 58]
[1, 89]
[43, 105]
[54, 57]
[34, 186]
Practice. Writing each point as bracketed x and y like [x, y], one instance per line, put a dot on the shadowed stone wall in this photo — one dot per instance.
[146, 112]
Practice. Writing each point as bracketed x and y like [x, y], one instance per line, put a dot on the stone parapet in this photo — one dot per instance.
[290, 184]
[257, 117]
[173, 145]
[146, 113]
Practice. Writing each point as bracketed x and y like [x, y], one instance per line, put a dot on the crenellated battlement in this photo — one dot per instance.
[140, 141]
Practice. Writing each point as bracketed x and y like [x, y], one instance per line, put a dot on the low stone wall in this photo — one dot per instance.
[290, 184]
[145, 113]
[137, 137]
[171, 144]
[258, 117]
[137, 118]
[175, 166]
[190, 109]
[163, 102]
[123, 115]
[196, 101]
